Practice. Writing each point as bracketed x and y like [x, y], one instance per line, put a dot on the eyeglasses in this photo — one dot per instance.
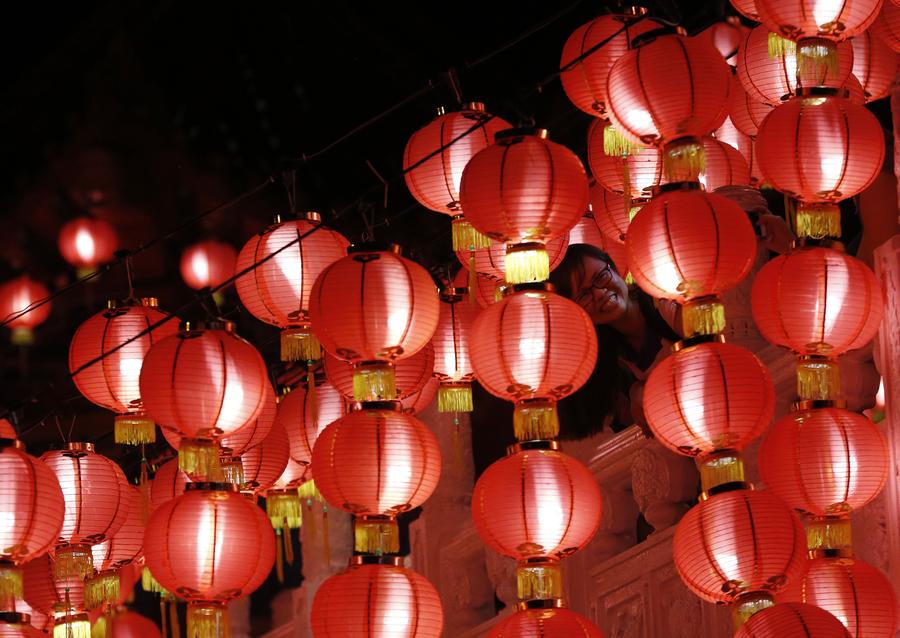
[600, 281]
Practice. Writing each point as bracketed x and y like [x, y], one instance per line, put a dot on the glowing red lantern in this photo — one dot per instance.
[304, 414]
[612, 213]
[587, 232]
[263, 464]
[410, 375]
[775, 78]
[826, 462]
[726, 37]
[792, 619]
[724, 165]
[746, 8]
[117, 551]
[555, 622]
[737, 543]
[856, 593]
[875, 64]
[487, 290]
[745, 145]
[96, 495]
[209, 546]
[206, 383]
[372, 308]
[113, 383]
[86, 243]
[634, 174]
[16, 296]
[32, 508]
[524, 191]
[168, 483]
[435, 182]
[7, 431]
[887, 26]
[256, 431]
[128, 624]
[207, 264]
[800, 19]
[387, 599]
[854, 90]
[533, 348]
[453, 365]
[585, 81]
[708, 397]
[278, 290]
[48, 594]
[691, 246]
[491, 261]
[415, 403]
[746, 112]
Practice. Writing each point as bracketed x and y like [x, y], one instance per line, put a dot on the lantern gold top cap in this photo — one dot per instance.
[805, 405]
[540, 286]
[393, 406]
[368, 559]
[452, 294]
[311, 216]
[80, 446]
[678, 346]
[537, 444]
[474, 106]
[16, 443]
[146, 302]
[510, 135]
[215, 324]
[541, 603]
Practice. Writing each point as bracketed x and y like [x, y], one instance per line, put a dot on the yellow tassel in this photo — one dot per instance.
[465, 237]
[818, 378]
[232, 469]
[279, 556]
[22, 336]
[72, 626]
[455, 396]
[748, 605]
[780, 47]
[719, 468]
[134, 429]
[284, 509]
[536, 419]
[818, 221]
[538, 581]
[174, 624]
[817, 60]
[684, 160]
[703, 316]
[150, 584]
[326, 542]
[73, 561]
[629, 279]
[207, 620]
[830, 532]
[616, 144]
[99, 628]
[309, 492]
[300, 344]
[199, 459]
[144, 488]
[374, 381]
[527, 263]
[10, 583]
[101, 589]
[376, 535]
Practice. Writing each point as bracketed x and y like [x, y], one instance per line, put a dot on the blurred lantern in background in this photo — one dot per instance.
[875, 64]
[633, 175]
[724, 165]
[168, 483]
[304, 413]
[16, 297]
[792, 619]
[746, 111]
[726, 37]
[263, 464]
[887, 26]
[86, 243]
[208, 264]
[453, 365]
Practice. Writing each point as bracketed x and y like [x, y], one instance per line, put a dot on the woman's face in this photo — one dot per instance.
[600, 291]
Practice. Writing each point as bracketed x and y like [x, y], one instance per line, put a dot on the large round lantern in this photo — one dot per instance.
[209, 546]
[775, 78]
[434, 159]
[372, 308]
[168, 483]
[114, 381]
[278, 290]
[825, 462]
[887, 26]
[453, 365]
[827, 21]
[836, 150]
[875, 64]
[206, 383]
[86, 243]
[264, 463]
[304, 413]
[533, 348]
[96, 494]
[16, 297]
[585, 81]
[746, 111]
[856, 593]
[32, 509]
[555, 622]
[819, 303]
[491, 261]
[524, 191]
[207, 264]
[634, 174]
[739, 543]
[792, 619]
[708, 397]
[387, 600]
[410, 375]
[724, 165]
[691, 246]
[128, 624]
[120, 549]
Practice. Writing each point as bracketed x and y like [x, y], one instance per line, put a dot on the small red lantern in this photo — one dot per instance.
[726, 37]
[491, 261]
[86, 243]
[533, 348]
[708, 397]
[724, 165]
[209, 546]
[745, 145]
[16, 296]
[7, 431]
[117, 551]
[587, 232]
[737, 543]
[875, 64]
[96, 494]
[453, 365]
[792, 619]
[263, 464]
[168, 483]
[825, 462]
[113, 382]
[278, 290]
[17, 625]
[387, 599]
[410, 375]
[128, 624]
[524, 191]
[435, 182]
[855, 92]
[746, 111]
[612, 213]
[51, 595]
[746, 8]
[887, 26]
[283, 505]
[634, 174]
[372, 308]
[555, 622]
[304, 413]
[207, 264]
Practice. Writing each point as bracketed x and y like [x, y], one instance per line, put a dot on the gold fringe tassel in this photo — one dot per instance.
[309, 492]
[527, 263]
[376, 535]
[207, 620]
[704, 316]
[11, 586]
[747, 605]
[616, 144]
[199, 459]
[73, 561]
[817, 60]
[374, 381]
[101, 589]
[134, 429]
[719, 468]
[830, 532]
[455, 396]
[98, 630]
[22, 336]
[818, 378]
[284, 509]
[150, 584]
[538, 581]
[818, 221]
[684, 160]
[232, 469]
[465, 237]
[72, 626]
[780, 47]
[535, 419]
[300, 344]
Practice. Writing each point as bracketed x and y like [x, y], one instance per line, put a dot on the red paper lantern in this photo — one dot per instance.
[207, 264]
[875, 64]
[724, 165]
[856, 593]
[746, 111]
[376, 462]
[774, 79]
[17, 295]
[745, 145]
[637, 172]
[386, 600]
[48, 594]
[612, 213]
[86, 243]
[545, 623]
[533, 348]
[304, 415]
[415, 403]
[726, 37]
[128, 624]
[168, 483]
[264, 463]
[121, 549]
[585, 81]
[825, 462]
[854, 89]
[587, 232]
[372, 308]
[96, 495]
[209, 546]
[739, 542]
[278, 290]
[537, 503]
[453, 364]
[708, 397]
[410, 374]
[488, 290]
[792, 619]
[524, 191]
[887, 26]
[449, 142]
[491, 260]
[798, 19]
[746, 8]
[255, 432]
[7, 431]
[113, 382]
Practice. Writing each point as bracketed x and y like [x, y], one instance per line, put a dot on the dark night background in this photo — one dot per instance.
[145, 113]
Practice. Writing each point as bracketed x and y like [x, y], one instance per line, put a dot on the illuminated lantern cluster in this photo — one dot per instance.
[434, 160]
[86, 243]
[113, 344]
[16, 296]
[207, 264]
[278, 290]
